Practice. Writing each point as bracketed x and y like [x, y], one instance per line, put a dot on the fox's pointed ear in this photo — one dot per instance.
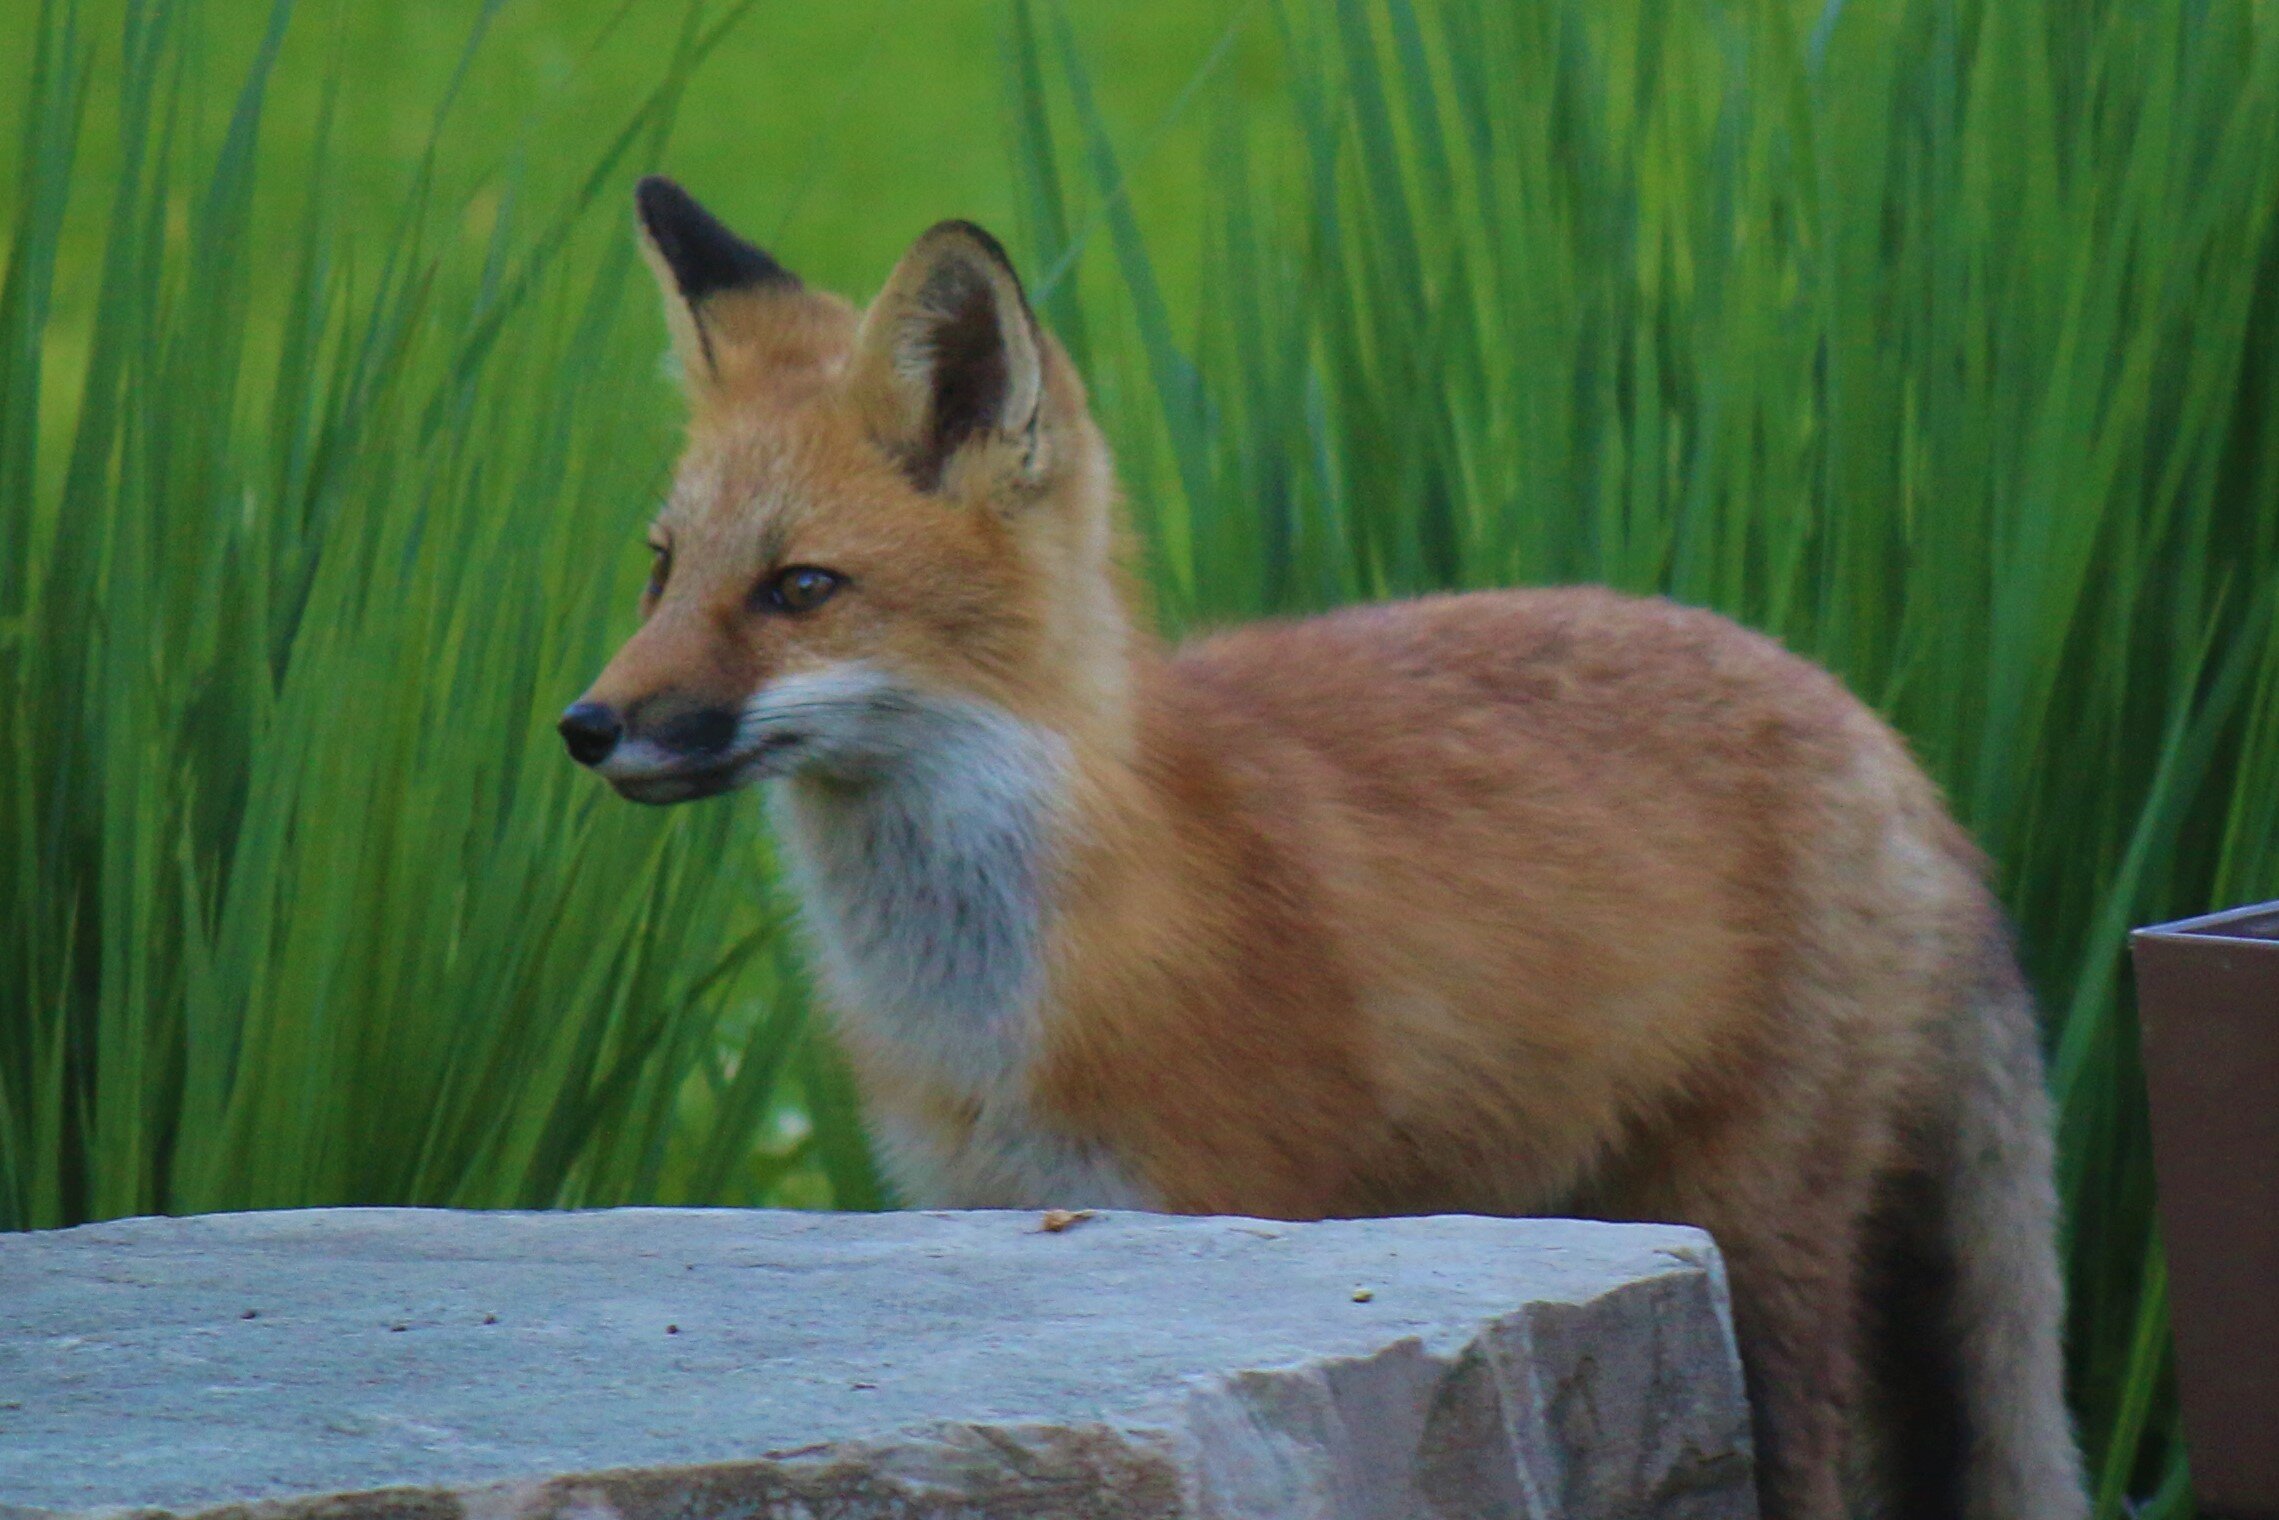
[700, 265]
[949, 366]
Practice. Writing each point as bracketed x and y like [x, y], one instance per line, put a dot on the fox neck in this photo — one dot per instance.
[924, 887]
[927, 884]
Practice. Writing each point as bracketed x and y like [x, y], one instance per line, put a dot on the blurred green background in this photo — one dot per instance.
[1935, 336]
[833, 132]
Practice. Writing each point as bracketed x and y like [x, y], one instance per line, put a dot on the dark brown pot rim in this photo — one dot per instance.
[2255, 924]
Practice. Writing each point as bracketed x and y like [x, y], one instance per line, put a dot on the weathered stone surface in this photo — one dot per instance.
[718, 1365]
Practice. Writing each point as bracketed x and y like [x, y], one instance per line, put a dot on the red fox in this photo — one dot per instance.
[1514, 902]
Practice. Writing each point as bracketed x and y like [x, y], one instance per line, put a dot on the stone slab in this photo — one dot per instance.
[640, 1364]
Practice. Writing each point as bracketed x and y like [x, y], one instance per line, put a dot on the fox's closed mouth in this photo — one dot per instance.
[691, 782]
[680, 786]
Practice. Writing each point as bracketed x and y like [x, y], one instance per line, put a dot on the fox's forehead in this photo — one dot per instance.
[759, 480]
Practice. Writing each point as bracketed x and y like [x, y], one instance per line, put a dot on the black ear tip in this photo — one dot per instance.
[704, 256]
[660, 200]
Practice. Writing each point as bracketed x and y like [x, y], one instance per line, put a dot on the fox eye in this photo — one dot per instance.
[660, 569]
[799, 588]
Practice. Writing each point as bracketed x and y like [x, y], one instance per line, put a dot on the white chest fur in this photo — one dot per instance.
[1005, 1161]
[923, 885]
[923, 880]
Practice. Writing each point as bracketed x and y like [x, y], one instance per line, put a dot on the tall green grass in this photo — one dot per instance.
[302, 546]
[1938, 337]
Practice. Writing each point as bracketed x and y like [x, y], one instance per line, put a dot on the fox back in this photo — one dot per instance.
[1512, 902]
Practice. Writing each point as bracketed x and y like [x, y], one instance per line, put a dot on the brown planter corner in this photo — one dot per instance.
[2208, 1001]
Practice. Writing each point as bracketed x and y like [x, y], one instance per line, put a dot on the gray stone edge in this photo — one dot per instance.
[1540, 1412]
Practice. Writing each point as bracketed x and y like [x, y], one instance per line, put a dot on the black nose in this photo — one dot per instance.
[591, 731]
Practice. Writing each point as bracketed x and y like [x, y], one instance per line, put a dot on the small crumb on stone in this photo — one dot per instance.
[862, 1385]
[1057, 1220]
[672, 1329]
[490, 1319]
[1363, 1295]
[398, 1329]
[249, 1314]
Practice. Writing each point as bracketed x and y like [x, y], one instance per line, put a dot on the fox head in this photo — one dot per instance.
[886, 524]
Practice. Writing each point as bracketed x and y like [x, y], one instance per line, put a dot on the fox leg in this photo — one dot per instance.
[1794, 1312]
[1787, 1189]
